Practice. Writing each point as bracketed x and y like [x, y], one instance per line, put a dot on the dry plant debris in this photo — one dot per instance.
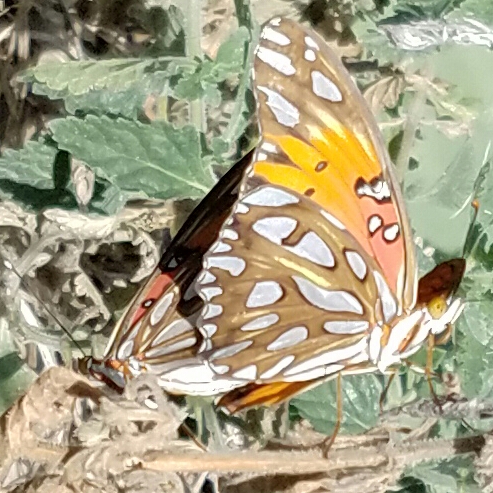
[68, 435]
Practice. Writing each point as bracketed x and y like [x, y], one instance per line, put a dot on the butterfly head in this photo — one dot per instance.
[435, 312]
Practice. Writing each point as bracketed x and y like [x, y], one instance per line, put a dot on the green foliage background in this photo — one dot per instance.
[435, 109]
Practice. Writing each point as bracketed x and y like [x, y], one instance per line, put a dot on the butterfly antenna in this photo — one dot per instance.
[9, 265]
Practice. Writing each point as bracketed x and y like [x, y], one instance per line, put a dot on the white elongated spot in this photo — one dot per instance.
[327, 299]
[211, 292]
[234, 265]
[197, 378]
[346, 327]
[275, 21]
[323, 87]
[374, 344]
[328, 358]
[174, 329]
[310, 42]
[161, 307]
[211, 310]
[289, 338]
[278, 61]
[155, 352]
[260, 323]
[268, 147]
[310, 55]
[125, 350]
[285, 112]
[278, 367]
[390, 233]
[264, 293]
[229, 234]
[205, 277]
[220, 247]
[247, 373]
[313, 248]
[357, 264]
[268, 196]
[241, 208]
[228, 351]
[389, 304]
[374, 223]
[275, 36]
[333, 220]
[275, 229]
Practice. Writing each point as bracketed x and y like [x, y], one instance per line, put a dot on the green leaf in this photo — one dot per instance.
[31, 165]
[80, 77]
[447, 476]
[361, 395]
[156, 159]
[473, 349]
[229, 62]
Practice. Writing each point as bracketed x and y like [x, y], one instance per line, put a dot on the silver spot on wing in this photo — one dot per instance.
[275, 229]
[160, 308]
[220, 247]
[170, 348]
[310, 55]
[260, 323]
[356, 263]
[211, 292]
[234, 265]
[323, 87]
[289, 338]
[346, 327]
[227, 351]
[310, 42]
[278, 61]
[211, 310]
[205, 277]
[329, 300]
[264, 293]
[229, 234]
[270, 197]
[209, 330]
[313, 248]
[174, 329]
[275, 36]
[284, 112]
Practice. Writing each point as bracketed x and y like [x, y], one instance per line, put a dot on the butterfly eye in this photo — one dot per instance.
[437, 307]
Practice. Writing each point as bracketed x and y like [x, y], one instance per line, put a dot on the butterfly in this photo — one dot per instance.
[300, 264]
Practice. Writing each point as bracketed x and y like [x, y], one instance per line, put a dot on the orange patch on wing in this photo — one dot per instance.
[267, 394]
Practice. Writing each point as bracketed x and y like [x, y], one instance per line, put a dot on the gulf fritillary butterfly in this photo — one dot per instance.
[298, 266]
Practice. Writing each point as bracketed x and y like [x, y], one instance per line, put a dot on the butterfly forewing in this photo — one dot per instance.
[159, 326]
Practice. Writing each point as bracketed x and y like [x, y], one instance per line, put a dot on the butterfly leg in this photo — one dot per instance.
[329, 441]
[429, 371]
